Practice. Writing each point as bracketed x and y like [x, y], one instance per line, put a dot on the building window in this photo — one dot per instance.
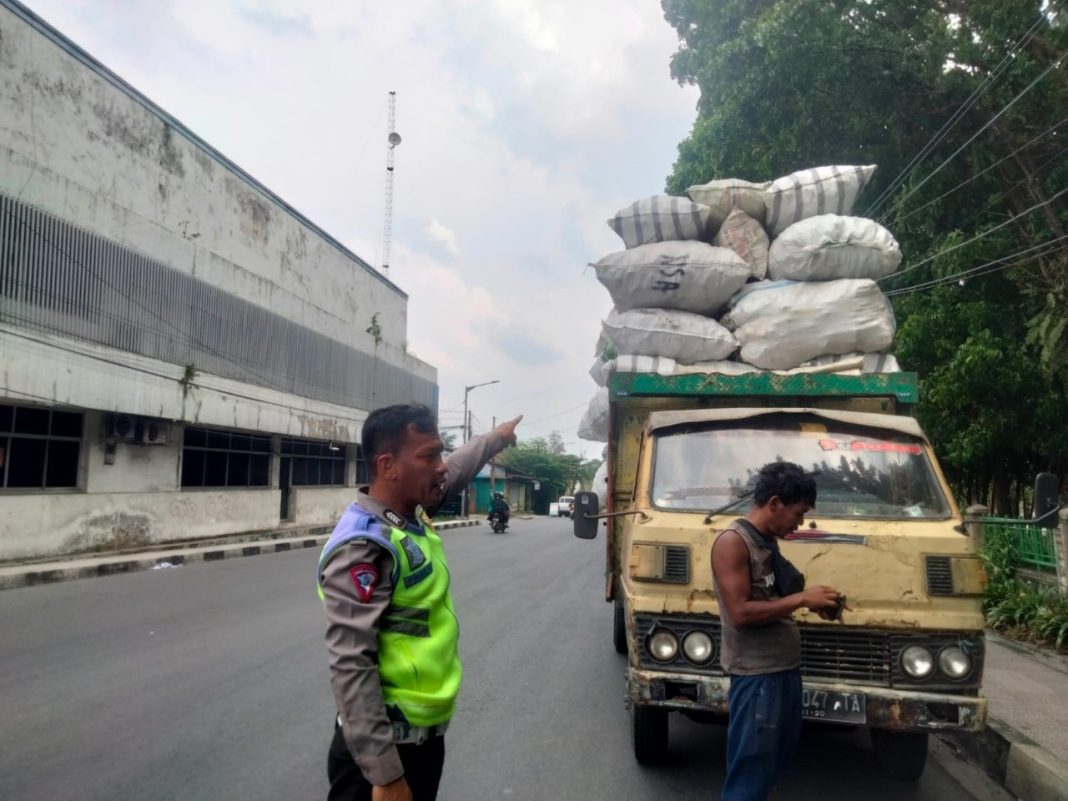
[225, 459]
[315, 464]
[39, 448]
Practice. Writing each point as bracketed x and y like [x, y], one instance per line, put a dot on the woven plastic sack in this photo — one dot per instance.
[725, 195]
[821, 190]
[827, 247]
[689, 276]
[678, 335]
[746, 237]
[660, 218]
[600, 486]
[782, 326]
[594, 424]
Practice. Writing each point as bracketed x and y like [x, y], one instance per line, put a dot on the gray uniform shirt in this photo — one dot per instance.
[352, 626]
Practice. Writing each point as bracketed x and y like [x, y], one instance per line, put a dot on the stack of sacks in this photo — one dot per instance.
[777, 274]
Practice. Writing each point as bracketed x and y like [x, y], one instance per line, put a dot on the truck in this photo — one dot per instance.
[682, 452]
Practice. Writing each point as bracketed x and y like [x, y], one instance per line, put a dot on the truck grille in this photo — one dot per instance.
[828, 653]
[843, 655]
[677, 564]
[939, 575]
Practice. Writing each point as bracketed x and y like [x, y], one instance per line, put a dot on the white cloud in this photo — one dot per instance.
[529, 122]
[445, 237]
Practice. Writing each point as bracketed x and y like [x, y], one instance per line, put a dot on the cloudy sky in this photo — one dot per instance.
[525, 125]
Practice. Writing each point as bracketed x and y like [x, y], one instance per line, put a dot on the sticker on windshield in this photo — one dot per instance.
[886, 447]
[828, 444]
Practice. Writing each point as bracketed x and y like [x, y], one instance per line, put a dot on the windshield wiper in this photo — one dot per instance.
[729, 505]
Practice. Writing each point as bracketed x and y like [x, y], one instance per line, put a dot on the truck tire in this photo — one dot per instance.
[649, 734]
[900, 754]
[619, 629]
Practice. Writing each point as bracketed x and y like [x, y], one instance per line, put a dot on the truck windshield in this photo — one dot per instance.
[861, 472]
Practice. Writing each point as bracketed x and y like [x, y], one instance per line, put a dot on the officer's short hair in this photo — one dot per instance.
[785, 480]
[385, 429]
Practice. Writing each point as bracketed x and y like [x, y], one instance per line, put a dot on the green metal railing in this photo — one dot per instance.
[1035, 546]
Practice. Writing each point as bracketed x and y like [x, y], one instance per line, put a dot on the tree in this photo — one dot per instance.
[449, 438]
[558, 472]
[787, 84]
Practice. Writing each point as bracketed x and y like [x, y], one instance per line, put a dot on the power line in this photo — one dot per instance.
[1035, 251]
[963, 109]
[979, 174]
[1056, 63]
[977, 237]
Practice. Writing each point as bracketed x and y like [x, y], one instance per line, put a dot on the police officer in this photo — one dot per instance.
[391, 629]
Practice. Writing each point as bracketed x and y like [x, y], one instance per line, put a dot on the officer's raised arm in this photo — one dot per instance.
[465, 462]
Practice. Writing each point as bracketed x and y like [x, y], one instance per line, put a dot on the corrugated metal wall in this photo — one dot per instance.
[58, 278]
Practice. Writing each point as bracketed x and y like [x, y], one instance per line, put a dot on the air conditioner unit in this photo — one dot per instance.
[154, 432]
[122, 427]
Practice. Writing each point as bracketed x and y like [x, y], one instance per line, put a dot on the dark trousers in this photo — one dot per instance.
[422, 770]
[764, 727]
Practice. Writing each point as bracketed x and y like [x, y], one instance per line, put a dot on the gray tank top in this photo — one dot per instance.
[762, 649]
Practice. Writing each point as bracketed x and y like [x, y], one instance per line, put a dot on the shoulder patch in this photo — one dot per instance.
[394, 518]
[365, 579]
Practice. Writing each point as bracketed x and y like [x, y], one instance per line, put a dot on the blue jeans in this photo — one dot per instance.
[765, 725]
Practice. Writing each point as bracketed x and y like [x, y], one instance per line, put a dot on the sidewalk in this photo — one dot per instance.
[1025, 745]
[168, 555]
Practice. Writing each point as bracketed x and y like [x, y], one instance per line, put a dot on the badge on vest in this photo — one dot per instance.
[365, 578]
[394, 518]
[413, 552]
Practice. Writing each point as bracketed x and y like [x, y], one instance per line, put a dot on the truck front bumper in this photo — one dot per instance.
[900, 710]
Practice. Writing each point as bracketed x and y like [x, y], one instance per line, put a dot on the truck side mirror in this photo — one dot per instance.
[1047, 500]
[583, 512]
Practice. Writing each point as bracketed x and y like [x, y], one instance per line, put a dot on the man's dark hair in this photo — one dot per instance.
[786, 480]
[385, 429]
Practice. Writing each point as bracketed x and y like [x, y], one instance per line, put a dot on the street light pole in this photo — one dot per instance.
[467, 427]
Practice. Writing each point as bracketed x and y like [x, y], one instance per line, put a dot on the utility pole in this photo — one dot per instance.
[467, 425]
[392, 140]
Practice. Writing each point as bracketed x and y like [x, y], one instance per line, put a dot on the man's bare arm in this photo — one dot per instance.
[730, 562]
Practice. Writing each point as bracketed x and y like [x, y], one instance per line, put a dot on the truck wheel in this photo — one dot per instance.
[619, 629]
[900, 754]
[649, 733]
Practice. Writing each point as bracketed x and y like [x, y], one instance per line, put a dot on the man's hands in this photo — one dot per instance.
[395, 791]
[820, 597]
[506, 431]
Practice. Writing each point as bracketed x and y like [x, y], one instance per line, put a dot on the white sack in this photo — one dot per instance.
[783, 326]
[678, 335]
[594, 425]
[746, 237]
[725, 195]
[660, 218]
[827, 247]
[598, 373]
[600, 486]
[821, 190]
[689, 276]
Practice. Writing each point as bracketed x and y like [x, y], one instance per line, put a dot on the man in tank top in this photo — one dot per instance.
[758, 591]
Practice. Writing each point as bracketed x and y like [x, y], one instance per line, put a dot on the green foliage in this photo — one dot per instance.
[788, 84]
[544, 460]
[1019, 606]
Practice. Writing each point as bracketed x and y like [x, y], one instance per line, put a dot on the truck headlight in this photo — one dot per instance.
[663, 645]
[954, 663]
[698, 647]
[917, 661]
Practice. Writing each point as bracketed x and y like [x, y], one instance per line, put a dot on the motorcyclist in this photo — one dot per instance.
[499, 506]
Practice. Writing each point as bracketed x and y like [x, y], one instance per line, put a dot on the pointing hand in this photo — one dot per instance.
[506, 431]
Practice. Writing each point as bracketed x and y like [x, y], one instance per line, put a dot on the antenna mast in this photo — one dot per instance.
[392, 140]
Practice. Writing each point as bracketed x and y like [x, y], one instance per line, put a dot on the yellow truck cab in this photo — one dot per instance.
[885, 532]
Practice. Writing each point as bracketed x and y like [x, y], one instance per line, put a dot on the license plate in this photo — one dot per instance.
[833, 706]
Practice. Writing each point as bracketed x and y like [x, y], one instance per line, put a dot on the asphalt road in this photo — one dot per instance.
[209, 682]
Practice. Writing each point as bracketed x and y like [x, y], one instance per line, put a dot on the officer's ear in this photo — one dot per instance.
[385, 465]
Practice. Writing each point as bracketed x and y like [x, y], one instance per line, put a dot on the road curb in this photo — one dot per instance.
[110, 566]
[1013, 760]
